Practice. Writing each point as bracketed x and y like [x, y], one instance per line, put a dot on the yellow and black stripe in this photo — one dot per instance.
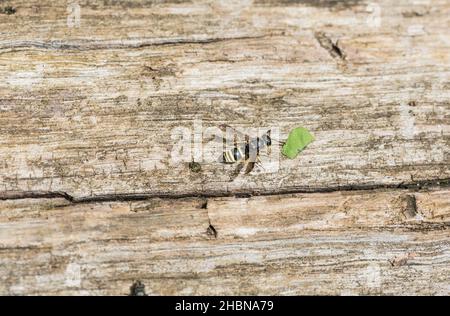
[233, 155]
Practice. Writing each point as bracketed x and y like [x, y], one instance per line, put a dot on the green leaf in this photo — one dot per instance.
[298, 139]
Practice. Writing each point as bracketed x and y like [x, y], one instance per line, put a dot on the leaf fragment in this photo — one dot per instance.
[297, 140]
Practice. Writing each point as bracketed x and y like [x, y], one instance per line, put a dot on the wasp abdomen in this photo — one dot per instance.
[232, 155]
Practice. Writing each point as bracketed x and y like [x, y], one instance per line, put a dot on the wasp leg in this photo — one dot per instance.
[260, 164]
[237, 170]
[239, 167]
[250, 166]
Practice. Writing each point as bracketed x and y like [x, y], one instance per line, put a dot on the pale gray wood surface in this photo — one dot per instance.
[88, 107]
[340, 243]
[90, 110]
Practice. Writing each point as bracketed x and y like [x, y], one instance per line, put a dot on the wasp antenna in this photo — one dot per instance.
[278, 141]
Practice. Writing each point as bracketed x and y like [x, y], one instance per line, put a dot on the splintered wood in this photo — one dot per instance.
[92, 93]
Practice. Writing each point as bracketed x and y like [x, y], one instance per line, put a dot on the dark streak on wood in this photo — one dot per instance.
[332, 47]
[413, 185]
[411, 206]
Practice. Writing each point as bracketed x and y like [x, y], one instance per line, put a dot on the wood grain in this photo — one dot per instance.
[90, 200]
[340, 243]
[90, 110]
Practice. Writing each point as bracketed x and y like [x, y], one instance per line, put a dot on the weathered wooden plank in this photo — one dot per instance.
[146, 21]
[90, 110]
[358, 242]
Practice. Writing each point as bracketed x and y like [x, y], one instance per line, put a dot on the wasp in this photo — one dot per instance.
[247, 152]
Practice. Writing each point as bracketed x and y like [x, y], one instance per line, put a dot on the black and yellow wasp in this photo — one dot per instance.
[247, 152]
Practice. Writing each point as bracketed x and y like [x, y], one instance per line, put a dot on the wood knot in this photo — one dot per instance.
[137, 289]
[195, 167]
[410, 209]
[401, 260]
[8, 10]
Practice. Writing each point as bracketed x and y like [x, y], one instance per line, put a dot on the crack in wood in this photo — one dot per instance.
[415, 185]
[35, 195]
[411, 206]
[332, 47]
[211, 231]
[127, 44]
